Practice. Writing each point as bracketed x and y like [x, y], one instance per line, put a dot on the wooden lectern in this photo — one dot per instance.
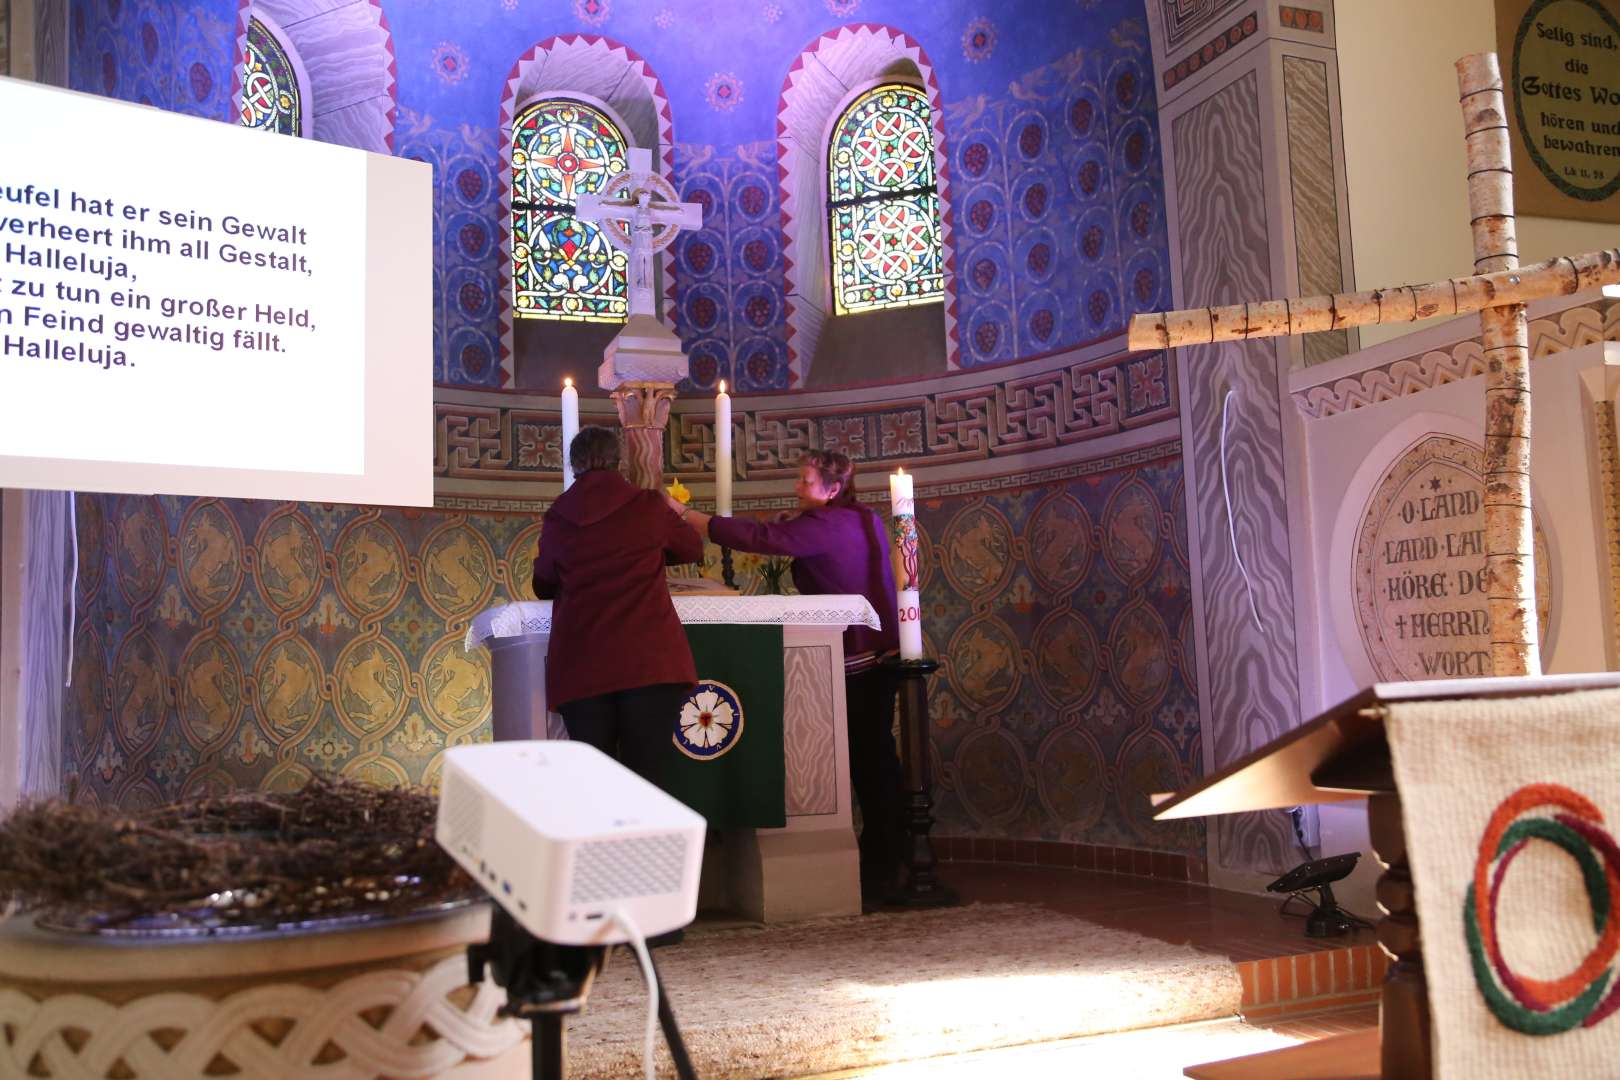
[1338, 756]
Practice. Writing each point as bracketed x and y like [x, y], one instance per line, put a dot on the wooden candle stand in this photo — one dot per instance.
[919, 883]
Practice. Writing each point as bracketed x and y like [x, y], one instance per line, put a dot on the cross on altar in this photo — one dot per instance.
[640, 212]
[1498, 290]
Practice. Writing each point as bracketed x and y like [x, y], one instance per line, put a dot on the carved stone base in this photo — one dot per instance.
[644, 415]
[645, 351]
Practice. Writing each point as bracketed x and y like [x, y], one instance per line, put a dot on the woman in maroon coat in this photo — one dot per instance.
[839, 546]
[619, 668]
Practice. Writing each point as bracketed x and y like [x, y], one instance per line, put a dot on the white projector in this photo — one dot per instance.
[562, 836]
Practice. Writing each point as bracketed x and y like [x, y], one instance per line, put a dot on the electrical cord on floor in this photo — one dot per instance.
[639, 944]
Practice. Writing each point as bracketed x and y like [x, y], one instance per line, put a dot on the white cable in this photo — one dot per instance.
[1231, 528]
[73, 585]
[639, 944]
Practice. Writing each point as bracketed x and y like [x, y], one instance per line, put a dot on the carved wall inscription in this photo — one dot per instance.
[1420, 567]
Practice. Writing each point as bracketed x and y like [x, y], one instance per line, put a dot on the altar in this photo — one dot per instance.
[805, 867]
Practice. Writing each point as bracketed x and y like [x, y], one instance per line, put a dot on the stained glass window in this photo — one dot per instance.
[562, 267]
[271, 99]
[882, 205]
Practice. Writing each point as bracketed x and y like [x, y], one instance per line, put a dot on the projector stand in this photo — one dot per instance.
[546, 984]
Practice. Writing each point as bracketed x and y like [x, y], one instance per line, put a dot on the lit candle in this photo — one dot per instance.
[908, 602]
[722, 452]
[570, 428]
[900, 493]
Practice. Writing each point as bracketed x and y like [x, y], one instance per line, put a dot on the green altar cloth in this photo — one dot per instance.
[726, 756]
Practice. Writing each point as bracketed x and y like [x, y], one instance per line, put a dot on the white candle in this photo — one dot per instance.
[910, 609]
[570, 428]
[908, 603]
[722, 452]
[900, 493]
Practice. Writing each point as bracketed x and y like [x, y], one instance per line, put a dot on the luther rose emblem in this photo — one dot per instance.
[711, 721]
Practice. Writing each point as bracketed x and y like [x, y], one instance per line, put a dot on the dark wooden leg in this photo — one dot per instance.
[728, 573]
[920, 885]
[1407, 1041]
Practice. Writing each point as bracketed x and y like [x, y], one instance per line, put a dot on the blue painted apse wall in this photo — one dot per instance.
[1062, 610]
[1049, 118]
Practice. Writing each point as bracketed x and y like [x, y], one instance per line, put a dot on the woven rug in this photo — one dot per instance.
[1517, 879]
[846, 993]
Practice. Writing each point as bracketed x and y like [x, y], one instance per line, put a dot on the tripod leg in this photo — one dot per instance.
[672, 1033]
[549, 1047]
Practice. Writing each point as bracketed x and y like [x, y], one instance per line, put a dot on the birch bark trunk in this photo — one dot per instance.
[1509, 550]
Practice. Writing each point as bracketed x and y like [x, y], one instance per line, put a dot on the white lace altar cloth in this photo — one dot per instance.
[534, 616]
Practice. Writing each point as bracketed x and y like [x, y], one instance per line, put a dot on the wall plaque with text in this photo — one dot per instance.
[1561, 70]
[1420, 567]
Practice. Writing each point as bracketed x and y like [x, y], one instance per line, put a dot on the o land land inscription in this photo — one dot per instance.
[1420, 566]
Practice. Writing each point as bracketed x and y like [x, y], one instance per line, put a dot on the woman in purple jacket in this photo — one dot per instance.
[839, 546]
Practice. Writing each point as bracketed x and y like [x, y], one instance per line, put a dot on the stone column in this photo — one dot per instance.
[1256, 207]
[644, 415]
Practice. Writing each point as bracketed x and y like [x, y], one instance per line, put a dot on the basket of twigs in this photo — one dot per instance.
[336, 851]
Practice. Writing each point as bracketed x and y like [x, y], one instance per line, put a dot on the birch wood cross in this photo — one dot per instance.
[1498, 290]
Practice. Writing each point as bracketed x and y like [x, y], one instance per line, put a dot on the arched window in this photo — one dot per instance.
[562, 267]
[271, 97]
[882, 203]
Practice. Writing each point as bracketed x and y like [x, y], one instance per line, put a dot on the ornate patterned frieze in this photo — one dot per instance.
[1313, 190]
[1608, 455]
[1063, 406]
[430, 1023]
[1211, 50]
[1298, 18]
[944, 489]
[1185, 19]
[1568, 329]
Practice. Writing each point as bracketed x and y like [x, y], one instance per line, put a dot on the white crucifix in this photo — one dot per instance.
[640, 212]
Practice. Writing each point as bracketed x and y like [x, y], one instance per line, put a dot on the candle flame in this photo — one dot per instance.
[900, 470]
[567, 382]
[722, 386]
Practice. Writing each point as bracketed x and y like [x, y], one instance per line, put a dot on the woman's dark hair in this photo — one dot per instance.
[594, 448]
[833, 468]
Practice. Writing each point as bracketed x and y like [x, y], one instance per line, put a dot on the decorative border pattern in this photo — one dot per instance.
[1313, 195]
[1608, 447]
[1295, 18]
[1067, 405]
[1184, 18]
[1230, 38]
[534, 616]
[1569, 329]
[414, 1002]
[595, 52]
[1056, 474]
[805, 107]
